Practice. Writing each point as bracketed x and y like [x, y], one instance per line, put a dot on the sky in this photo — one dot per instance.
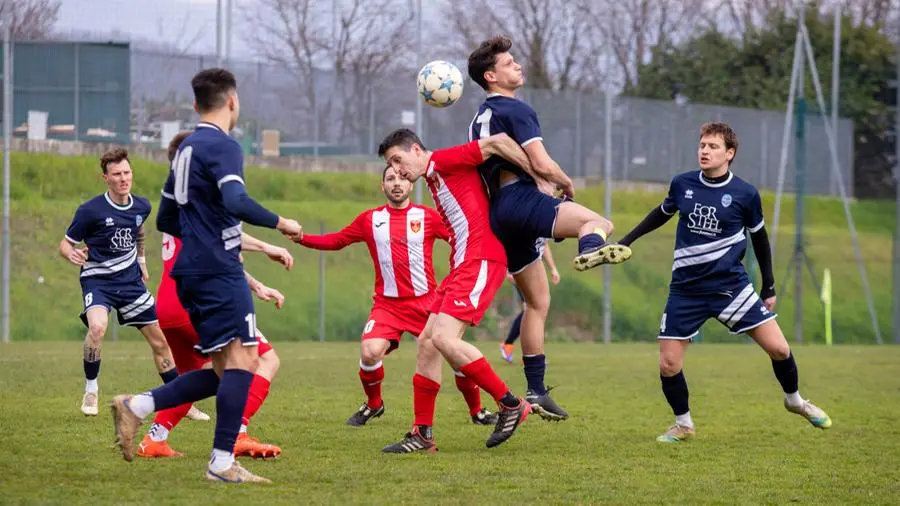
[170, 20]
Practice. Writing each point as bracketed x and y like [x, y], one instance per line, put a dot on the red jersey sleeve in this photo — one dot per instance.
[348, 235]
[458, 158]
[437, 224]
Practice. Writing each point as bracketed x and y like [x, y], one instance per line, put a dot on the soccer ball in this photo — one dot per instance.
[440, 83]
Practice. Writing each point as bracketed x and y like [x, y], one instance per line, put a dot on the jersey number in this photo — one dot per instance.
[182, 166]
[88, 298]
[484, 119]
[251, 324]
[369, 326]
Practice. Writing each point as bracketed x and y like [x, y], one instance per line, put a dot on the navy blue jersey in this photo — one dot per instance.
[710, 240]
[501, 114]
[210, 235]
[109, 230]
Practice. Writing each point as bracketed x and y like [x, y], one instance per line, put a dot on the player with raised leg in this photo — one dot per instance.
[113, 271]
[182, 338]
[400, 237]
[714, 209]
[524, 210]
[204, 202]
[477, 270]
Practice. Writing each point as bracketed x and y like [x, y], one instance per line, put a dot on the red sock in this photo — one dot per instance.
[371, 383]
[259, 389]
[425, 391]
[169, 418]
[470, 392]
[483, 375]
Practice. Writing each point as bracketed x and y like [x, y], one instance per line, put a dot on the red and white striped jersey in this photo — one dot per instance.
[462, 201]
[400, 242]
[168, 308]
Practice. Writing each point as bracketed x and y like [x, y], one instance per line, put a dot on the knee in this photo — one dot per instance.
[780, 352]
[96, 331]
[606, 225]
[539, 304]
[669, 365]
[370, 355]
[269, 364]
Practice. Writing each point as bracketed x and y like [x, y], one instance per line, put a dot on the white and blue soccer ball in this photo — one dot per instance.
[440, 83]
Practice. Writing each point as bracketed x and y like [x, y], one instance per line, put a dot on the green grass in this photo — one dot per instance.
[47, 189]
[749, 450]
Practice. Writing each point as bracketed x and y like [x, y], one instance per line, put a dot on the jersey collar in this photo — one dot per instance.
[715, 185]
[206, 124]
[119, 206]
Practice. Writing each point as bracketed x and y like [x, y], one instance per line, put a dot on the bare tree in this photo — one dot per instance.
[332, 54]
[632, 28]
[29, 19]
[552, 39]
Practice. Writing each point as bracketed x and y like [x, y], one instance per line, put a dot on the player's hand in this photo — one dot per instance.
[567, 187]
[554, 277]
[280, 255]
[545, 187]
[510, 278]
[266, 294]
[78, 256]
[770, 303]
[290, 228]
[145, 274]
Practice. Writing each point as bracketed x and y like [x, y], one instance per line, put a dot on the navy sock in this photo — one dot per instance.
[676, 391]
[589, 242]
[515, 329]
[231, 399]
[786, 372]
[535, 365]
[91, 369]
[189, 387]
[168, 376]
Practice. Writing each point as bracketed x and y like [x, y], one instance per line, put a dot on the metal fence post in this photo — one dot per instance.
[321, 288]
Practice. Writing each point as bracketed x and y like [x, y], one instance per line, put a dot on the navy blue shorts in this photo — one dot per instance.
[522, 218]
[740, 310]
[133, 303]
[220, 308]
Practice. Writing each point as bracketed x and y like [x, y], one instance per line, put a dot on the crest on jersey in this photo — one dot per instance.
[726, 199]
[139, 220]
[415, 226]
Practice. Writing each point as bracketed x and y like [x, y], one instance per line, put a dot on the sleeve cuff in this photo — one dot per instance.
[229, 178]
[662, 208]
[529, 141]
[755, 229]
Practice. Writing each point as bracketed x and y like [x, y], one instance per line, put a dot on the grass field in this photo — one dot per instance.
[47, 189]
[749, 450]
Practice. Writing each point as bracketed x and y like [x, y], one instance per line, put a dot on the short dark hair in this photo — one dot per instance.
[114, 155]
[211, 88]
[384, 172]
[483, 59]
[725, 130]
[403, 137]
[176, 142]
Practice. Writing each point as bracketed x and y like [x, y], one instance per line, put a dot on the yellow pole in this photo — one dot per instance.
[826, 300]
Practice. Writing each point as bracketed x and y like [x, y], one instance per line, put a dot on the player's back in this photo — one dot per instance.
[210, 235]
[710, 239]
[462, 201]
[501, 114]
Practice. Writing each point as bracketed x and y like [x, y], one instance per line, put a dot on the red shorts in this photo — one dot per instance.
[182, 340]
[467, 292]
[390, 318]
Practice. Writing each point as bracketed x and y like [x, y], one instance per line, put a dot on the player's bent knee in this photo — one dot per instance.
[96, 331]
[669, 365]
[779, 352]
[268, 364]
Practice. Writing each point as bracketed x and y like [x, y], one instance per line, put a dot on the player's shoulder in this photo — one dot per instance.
[210, 138]
[683, 178]
[509, 105]
[141, 203]
[742, 185]
[93, 203]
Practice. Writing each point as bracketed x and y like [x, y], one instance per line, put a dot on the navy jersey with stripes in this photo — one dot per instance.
[501, 114]
[710, 240]
[210, 235]
[109, 231]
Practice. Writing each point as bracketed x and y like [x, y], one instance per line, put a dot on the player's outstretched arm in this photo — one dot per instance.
[351, 234]
[263, 292]
[276, 253]
[167, 216]
[655, 219]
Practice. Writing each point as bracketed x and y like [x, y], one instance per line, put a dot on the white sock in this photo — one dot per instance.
[794, 399]
[158, 433]
[220, 460]
[142, 405]
[91, 386]
[685, 420]
[243, 429]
